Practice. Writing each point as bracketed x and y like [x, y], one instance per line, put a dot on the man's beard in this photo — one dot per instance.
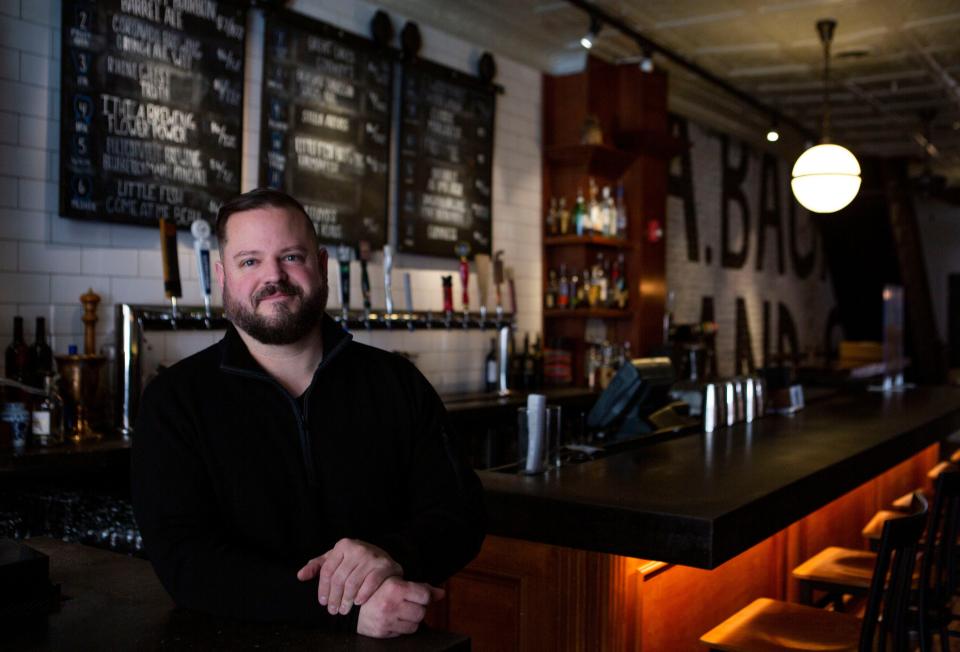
[285, 326]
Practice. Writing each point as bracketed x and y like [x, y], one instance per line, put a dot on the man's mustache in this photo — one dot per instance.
[282, 287]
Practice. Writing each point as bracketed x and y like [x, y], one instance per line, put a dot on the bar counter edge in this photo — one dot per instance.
[700, 500]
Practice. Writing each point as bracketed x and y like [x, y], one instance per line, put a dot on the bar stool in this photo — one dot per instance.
[766, 625]
[871, 531]
[939, 578]
[842, 571]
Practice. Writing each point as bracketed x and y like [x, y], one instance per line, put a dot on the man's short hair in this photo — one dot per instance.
[259, 198]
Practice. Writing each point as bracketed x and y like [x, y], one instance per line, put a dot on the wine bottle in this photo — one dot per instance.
[490, 367]
[17, 359]
[41, 355]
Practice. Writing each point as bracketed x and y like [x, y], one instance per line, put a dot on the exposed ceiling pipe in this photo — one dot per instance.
[646, 44]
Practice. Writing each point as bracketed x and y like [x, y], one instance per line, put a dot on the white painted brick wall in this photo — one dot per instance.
[809, 300]
[47, 262]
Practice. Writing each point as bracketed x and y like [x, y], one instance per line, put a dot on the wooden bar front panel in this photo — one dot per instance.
[518, 595]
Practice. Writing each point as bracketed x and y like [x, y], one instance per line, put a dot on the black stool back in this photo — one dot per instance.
[886, 623]
[938, 571]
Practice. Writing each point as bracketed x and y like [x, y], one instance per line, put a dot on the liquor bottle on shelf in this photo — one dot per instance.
[593, 364]
[574, 290]
[621, 283]
[609, 214]
[594, 225]
[579, 299]
[607, 298]
[490, 367]
[597, 294]
[615, 272]
[580, 216]
[528, 380]
[538, 362]
[563, 215]
[47, 415]
[41, 355]
[552, 218]
[17, 359]
[563, 292]
[516, 363]
[621, 228]
[550, 296]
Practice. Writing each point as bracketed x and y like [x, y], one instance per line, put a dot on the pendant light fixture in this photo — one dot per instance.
[826, 177]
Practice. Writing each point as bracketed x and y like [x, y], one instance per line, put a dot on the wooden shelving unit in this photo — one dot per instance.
[630, 107]
[586, 241]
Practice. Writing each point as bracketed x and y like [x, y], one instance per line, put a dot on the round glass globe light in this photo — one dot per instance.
[825, 178]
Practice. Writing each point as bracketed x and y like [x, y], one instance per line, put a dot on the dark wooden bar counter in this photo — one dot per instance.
[699, 500]
[114, 602]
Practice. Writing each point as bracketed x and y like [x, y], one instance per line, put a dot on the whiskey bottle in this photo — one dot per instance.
[552, 218]
[563, 214]
[550, 296]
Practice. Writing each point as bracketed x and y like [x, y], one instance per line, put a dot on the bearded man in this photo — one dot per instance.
[288, 473]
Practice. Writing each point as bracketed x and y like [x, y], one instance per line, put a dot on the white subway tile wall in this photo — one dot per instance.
[47, 262]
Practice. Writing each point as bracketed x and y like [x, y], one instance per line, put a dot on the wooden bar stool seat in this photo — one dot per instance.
[843, 567]
[902, 504]
[871, 532]
[766, 625]
[839, 572]
[874, 527]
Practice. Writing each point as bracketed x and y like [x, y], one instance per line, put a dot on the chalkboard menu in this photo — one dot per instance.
[151, 109]
[446, 154]
[325, 126]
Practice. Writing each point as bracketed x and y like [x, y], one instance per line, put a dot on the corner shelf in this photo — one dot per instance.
[591, 240]
[587, 313]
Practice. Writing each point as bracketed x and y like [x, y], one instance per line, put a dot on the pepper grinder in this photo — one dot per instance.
[80, 376]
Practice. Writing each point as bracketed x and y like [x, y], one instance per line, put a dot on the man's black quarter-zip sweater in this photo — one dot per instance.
[235, 486]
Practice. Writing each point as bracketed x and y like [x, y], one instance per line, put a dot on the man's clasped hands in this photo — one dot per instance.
[357, 573]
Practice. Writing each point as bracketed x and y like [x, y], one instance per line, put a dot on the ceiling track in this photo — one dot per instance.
[655, 48]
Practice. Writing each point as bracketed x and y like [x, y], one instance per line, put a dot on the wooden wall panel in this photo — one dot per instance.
[680, 603]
